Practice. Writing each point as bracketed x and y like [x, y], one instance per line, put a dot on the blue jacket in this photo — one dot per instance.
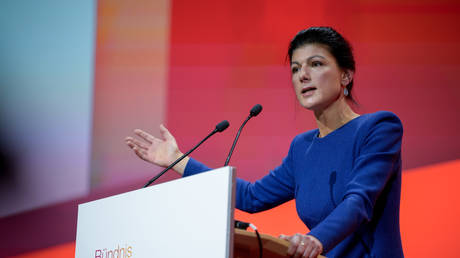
[347, 186]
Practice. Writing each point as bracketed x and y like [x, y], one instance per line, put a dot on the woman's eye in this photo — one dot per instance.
[294, 69]
[316, 63]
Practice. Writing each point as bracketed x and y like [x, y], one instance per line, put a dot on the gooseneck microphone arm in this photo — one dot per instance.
[236, 139]
[254, 112]
[219, 128]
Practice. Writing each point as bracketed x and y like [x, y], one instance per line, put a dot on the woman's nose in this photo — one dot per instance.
[304, 75]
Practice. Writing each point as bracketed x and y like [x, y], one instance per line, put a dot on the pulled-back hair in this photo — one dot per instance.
[337, 45]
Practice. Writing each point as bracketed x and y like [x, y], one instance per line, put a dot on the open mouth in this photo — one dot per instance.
[305, 90]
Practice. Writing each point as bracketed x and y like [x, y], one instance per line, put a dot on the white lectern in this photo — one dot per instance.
[187, 217]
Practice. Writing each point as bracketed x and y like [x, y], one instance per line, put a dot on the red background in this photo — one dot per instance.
[226, 56]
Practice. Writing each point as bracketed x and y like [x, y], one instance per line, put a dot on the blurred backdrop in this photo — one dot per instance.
[77, 77]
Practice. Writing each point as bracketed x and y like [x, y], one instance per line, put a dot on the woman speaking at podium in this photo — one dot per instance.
[345, 176]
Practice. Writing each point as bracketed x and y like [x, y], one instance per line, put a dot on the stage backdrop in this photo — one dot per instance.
[46, 85]
[191, 64]
[226, 56]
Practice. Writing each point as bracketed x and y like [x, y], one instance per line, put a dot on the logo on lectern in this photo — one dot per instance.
[125, 252]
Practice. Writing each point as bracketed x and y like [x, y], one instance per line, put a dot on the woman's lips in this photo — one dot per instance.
[308, 91]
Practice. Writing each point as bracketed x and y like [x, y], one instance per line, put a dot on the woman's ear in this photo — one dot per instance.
[347, 77]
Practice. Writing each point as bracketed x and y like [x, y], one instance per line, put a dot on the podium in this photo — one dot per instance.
[187, 217]
[246, 245]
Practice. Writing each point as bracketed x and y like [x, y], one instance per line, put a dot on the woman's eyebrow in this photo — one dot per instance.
[308, 59]
[311, 57]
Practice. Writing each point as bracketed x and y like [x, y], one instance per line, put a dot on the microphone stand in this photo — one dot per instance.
[253, 112]
[219, 128]
[236, 139]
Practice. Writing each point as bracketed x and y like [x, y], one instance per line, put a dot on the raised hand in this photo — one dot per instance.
[161, 152]
[304, 246]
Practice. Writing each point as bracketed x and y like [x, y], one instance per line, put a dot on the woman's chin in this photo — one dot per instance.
[308, 105]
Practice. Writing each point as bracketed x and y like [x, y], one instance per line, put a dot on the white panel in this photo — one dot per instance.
[188, 217]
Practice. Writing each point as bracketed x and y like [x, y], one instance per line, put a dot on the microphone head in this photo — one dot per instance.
[222, 126]
[255, 110]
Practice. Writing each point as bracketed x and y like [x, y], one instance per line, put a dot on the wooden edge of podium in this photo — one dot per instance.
[247, 245]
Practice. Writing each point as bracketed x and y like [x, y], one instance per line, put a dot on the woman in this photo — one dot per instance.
[345, 175]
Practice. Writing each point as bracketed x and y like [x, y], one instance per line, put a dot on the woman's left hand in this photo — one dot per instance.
[303, 245]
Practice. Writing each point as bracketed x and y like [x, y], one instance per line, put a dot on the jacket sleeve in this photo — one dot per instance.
[273, 189]
[379, 152]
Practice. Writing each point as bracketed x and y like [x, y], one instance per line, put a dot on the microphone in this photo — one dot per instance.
[254, 112]
[220, 127]
[241, 224]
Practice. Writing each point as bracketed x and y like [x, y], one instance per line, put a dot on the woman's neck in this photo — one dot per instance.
[333, 117]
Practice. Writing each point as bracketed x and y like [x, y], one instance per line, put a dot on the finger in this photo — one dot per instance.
[284, 237]
[138, 143]
[294, 242]
[314, 253]
[146, 136]
[130, 144]
[165, 133]
[141, 153]
[300, 250]
[308, 249]
[317, 246]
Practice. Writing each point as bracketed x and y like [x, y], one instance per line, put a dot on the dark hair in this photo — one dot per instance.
[337, 45]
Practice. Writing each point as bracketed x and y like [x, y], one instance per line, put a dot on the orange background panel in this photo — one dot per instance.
[64, 250]
[430, 211]
[280, 220]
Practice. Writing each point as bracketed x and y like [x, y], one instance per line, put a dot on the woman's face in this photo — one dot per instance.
[316, 77]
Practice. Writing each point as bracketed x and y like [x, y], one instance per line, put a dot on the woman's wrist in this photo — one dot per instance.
[180, 167]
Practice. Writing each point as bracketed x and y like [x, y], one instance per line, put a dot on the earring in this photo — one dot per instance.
[345, 92]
